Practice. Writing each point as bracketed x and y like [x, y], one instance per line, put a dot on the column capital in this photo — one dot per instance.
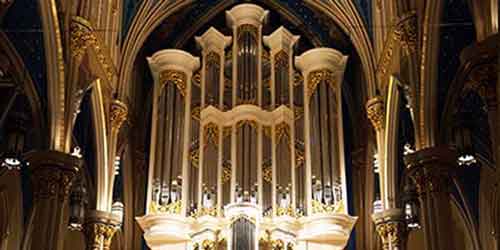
[321, 64]
[118, 114]
[321, 59]
[391, 227]
[52, 173]
[213, 40]
[375, 110]
[431, 168]
[280, 39]
[173, 60]
[246, 14]
[99, 229]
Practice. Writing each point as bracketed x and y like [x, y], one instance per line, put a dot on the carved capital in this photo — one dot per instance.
[431, 169]
[118, 115]
[391, 228]
[52, 174]
[175, 77]
[375, 111]
[392, 234]
[406, 32]
[99, 230]
[99, 234]
[81, 37]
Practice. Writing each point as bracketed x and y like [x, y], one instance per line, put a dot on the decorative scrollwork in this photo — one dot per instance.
[204, 211]
[171, 208]
[197, 79]
[320, 208]
[375, 111]
[282, 130]
[317, 77]
[247, 28]
[99, 234]
[213, 59]
[406, 32]
[175, 77]
[226, 172]
[281, 59]
[267, 172]
[298, 79]
[195, 113]
[83, 37]
[195, 157]
[208, 245]
[211, 134]
[391, 233]
[299, 157]
[118, 115]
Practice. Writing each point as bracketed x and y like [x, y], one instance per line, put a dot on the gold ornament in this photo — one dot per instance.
[317, 77]
[100, 234]
[391, 233]
[375, 111]
[213, 59]
[267, 172]
[226, 172]
[172, 208]
[281, 59]
[247, 28]
[320, 208]
[211, 134]
[83, 37]
[406, 32]
[175, 77]
[212, 211]
[118, 115]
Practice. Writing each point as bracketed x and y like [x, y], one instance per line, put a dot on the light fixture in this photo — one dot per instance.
[77, 204]
[411, 206]
[12, 158]
[376, 164]
[377, 205]
[463, 139]
[117, 165]
[118, 209]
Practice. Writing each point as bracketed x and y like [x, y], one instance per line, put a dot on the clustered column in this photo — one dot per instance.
[52, 174]
[431, 169]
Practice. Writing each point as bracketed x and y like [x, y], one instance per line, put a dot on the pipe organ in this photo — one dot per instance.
[247, 143]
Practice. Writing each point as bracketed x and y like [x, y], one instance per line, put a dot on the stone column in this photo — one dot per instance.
[391, 228]
[431, 170]
[99, 229]
[52, 174]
